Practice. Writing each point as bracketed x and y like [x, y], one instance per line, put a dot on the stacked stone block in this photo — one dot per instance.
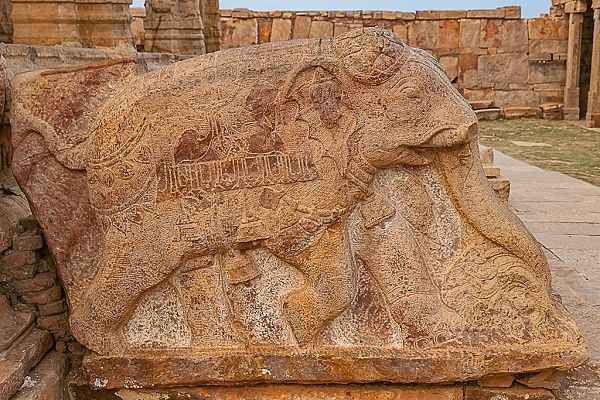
[28, 277]
[87, 23]
[515, 64]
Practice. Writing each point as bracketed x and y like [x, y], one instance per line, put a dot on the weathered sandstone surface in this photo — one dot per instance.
[312, 211]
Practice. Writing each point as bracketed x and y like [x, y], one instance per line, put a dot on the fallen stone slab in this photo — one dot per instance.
[47, 380]
[12, 323]
[553, 111]
[20, 358]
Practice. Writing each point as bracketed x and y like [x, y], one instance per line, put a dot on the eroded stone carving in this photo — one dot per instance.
[310, 211]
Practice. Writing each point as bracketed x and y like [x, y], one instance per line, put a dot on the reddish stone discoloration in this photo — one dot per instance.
[316, 213]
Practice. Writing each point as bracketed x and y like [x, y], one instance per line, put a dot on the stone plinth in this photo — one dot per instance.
[312, 211]
[174, 26]
[86, 23]
[450, 364]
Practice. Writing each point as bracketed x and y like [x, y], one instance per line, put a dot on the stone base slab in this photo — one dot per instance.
[79, 391]
[278, 392]
[235, 368]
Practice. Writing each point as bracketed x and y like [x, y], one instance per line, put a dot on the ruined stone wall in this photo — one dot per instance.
[493, 56]
[27, 274]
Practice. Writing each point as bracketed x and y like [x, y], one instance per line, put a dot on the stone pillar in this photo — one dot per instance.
[211, 18]
[575, 13]
[174, 26]
[593, 114]
[87, 23]
[5, 22]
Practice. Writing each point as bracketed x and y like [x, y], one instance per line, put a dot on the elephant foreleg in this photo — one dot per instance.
[329, 287]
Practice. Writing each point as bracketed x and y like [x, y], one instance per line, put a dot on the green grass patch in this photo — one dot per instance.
[553, 145]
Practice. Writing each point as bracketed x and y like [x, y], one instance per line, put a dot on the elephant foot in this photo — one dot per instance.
[99, 339]
[302, 314]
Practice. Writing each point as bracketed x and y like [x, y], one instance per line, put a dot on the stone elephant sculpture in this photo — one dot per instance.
[271, 146]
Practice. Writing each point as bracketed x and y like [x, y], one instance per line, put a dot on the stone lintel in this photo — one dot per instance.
[441, 14]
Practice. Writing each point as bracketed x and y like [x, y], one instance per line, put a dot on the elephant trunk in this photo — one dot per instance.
[476, 201]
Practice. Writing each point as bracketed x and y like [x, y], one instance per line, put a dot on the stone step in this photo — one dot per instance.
[501, 186]
[20, 358]
[491, 171]
[481, 104]
[521, 112]
[488, 114]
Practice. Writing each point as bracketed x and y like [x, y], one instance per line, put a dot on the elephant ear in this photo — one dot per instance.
[61, 105]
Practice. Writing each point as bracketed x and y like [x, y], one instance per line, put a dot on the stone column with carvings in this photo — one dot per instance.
[174, 26]
[593, 114]
[575, 10]
[87, 23]
[211, 18]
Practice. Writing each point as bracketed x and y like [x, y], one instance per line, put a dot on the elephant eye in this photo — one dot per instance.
[411, 92]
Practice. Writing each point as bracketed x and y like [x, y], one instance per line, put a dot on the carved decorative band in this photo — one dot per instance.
[239, 173]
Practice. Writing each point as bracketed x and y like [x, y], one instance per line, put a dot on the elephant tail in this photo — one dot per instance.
[60, 104]
[52, 112]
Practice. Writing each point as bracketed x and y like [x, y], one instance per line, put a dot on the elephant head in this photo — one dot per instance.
[413, 115]
[406, 103]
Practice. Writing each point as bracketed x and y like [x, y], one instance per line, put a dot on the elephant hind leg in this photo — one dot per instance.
[125, 273]
[329, 287]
